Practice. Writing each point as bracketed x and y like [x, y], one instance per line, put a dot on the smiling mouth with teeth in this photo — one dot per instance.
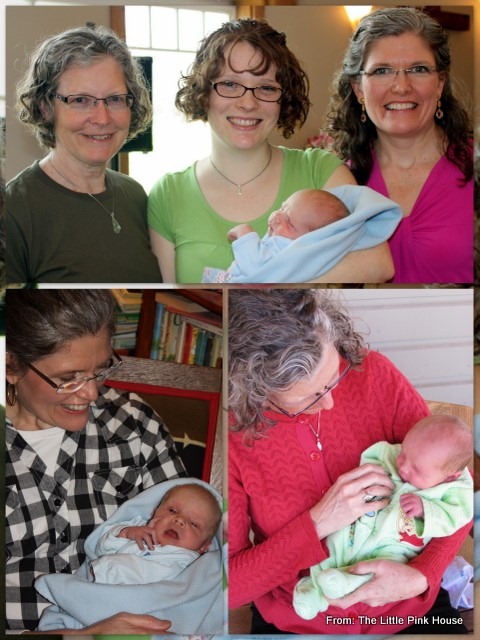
[400, 106]
[76, 407]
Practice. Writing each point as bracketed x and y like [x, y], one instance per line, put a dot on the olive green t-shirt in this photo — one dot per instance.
[58, 235]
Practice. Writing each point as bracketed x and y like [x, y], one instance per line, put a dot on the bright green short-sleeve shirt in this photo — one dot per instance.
[178, 211]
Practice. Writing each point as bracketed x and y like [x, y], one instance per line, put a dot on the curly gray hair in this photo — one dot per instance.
[76, 47]
[276, 338]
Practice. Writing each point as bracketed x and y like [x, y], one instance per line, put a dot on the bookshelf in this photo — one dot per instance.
[186, 396]
[178, 303]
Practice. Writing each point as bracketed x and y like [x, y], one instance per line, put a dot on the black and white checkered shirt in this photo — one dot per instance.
[124, 449]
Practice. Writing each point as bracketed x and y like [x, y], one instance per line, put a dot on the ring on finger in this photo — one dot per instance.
[368, 497]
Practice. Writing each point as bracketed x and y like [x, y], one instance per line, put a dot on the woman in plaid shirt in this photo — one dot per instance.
[75, 450]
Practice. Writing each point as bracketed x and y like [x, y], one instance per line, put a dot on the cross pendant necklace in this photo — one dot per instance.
[239, 186]
[316, 434]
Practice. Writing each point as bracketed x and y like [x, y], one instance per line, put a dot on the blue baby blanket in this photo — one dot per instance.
[372, 220]
[193, 601]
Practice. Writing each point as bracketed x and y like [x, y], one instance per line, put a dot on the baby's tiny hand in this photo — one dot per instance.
[239, 231]
[412, 505]
[141, 535]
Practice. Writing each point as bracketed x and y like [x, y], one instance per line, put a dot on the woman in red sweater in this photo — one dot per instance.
[306, 398]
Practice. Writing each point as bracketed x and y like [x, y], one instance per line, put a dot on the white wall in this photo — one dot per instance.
[426, 333]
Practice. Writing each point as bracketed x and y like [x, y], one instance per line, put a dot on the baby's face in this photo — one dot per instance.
[288, 221]
[184, 519]
[421, 462]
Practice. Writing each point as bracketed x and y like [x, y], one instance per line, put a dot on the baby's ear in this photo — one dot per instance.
[205, 547]
[453, 476]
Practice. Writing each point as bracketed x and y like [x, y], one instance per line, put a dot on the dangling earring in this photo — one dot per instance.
[11, 394]
[363, 117]
[439, 112]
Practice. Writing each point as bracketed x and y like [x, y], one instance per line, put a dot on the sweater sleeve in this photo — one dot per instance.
[276, 561]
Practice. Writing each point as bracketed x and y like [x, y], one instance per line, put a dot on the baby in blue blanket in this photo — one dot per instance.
[312, 231]
[304, 211]
[137, 551]
[141, 578]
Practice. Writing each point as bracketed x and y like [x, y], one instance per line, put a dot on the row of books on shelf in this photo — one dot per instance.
[127, 315]
[186, 340]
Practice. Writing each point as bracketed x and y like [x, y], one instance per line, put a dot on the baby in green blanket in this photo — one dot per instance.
[433, 497]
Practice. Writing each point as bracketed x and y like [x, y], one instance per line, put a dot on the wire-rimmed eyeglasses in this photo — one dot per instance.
[82, 102]
[318, 395]
[387, 75]
[264, 92]
[72, 386]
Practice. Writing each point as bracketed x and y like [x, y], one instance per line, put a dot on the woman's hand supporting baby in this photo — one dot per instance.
[123, 623]
[391, 582]
[344, 502]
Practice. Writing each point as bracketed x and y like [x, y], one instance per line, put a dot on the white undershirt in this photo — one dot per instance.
[46, 443]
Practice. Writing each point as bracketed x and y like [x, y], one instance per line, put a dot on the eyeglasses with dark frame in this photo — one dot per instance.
[265, 93]
[327, 389]
[75, 385]
[83, 102]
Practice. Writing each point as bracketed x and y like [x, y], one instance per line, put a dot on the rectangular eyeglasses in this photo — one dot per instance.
[318, 396]
[82, 102]
[75, 385]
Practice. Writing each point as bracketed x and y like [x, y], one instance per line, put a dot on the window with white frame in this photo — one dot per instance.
[170, 36]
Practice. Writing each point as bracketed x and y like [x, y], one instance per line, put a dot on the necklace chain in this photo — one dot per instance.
[239, 186]
[115, 224]
[316, 433]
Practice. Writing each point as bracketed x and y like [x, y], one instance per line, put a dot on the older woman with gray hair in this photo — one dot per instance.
[397, 122]
[70, 218]
[306, 398]
[75, 449]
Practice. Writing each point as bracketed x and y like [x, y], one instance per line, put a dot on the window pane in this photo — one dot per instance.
[176, 143]
[213, 20]
[137, 26]
[190, 29]
[164, 28]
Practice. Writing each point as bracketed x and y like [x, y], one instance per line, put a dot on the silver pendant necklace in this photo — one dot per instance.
[239, 186]
[316, 434]
[115, 224]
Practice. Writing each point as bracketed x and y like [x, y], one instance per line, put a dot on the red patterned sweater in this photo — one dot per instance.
[273, 484]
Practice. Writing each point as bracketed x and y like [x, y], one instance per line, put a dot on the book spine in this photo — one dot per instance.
[193, 346]
[188, 343]
[216, 351]
[163, 334]
[180, 342]
[208, 349]
[200, 348]
[156, 331]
